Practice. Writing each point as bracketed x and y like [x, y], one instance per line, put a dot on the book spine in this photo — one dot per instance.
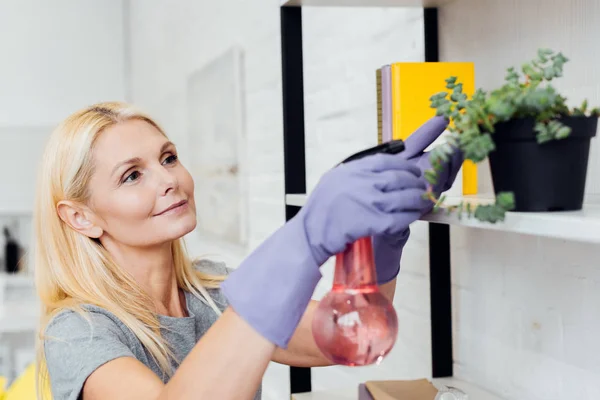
[386, 100]
[396, 105]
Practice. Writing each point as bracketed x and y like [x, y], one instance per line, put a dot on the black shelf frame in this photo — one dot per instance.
[295, 183]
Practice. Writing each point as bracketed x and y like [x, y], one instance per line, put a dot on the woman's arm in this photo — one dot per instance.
[227, 363]
[302, 350]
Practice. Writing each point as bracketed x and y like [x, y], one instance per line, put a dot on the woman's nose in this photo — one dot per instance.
[167, 180]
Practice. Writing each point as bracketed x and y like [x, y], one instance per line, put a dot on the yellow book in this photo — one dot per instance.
[413, 83]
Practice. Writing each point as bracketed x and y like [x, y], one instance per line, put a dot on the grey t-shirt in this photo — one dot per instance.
[74, 349]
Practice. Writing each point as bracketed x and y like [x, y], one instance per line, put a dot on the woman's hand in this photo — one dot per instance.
[380, 194]
[387, 248]
[271, 289]
[424, 137]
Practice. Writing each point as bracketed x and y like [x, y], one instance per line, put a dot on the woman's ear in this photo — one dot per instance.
[79, 218]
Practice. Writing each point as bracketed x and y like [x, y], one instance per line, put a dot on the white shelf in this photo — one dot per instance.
[297, 200]
[22, 316]
[582, 226]
[16, 212]
[474, 392]
[364, 3]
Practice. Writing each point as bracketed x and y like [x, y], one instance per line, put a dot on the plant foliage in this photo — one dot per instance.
[525, 93]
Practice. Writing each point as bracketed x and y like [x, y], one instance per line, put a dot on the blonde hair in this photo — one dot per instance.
[71, 269]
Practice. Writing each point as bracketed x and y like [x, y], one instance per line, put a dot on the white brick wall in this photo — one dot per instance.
[524, 318]
[525, 307]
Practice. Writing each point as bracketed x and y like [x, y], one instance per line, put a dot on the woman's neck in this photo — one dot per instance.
[154, 271]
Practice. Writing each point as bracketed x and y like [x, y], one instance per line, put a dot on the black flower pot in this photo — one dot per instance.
[543, 177]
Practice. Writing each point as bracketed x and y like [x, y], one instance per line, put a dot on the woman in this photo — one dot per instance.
[127, 315]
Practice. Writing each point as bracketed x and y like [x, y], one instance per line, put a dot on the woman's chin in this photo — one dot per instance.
[180, 228]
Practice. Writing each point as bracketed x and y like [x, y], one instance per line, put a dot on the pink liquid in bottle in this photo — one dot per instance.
[355, 324]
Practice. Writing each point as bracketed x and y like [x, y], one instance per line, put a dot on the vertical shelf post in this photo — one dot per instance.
[440, 281]
[293, 136]
[295, 183]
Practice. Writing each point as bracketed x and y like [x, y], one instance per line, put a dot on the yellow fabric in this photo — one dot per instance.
[2, 387]
[24, 387]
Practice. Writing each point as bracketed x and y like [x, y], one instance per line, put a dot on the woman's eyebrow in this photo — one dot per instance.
[166, 145]
[129, 161]
[134, 160]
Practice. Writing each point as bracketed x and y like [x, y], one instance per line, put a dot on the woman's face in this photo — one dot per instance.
[140, 194]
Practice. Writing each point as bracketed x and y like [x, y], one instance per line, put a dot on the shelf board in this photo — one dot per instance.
[582, 226]
[364, 3]
[351, 393]
[297, 200]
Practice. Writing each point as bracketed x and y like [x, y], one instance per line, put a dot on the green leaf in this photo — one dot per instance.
[502, 109]
[563, 132]
[536, 76]
[431, 177]
[506, 200]
[441, 199]
[549, 73]
[444, 109]
[450, 82]
[479, 147]
[490, 213]
[438, 96]
[469, 210]
[512, 76]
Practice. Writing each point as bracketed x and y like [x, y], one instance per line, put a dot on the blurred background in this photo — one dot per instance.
[525, 320]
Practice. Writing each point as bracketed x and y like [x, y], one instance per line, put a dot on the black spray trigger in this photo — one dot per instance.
[391, 147]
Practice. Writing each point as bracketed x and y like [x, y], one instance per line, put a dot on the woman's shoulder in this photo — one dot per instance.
[211, 267]
[89, 320]
[77, 342]
[216, 269]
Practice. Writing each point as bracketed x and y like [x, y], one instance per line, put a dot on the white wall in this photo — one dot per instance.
[524, 318]
[526, 308]
[57, 57]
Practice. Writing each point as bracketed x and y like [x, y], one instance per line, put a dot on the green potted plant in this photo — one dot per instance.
[537, 146]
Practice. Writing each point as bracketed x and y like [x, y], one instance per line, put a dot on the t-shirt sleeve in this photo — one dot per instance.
[211, 267]
[215, 268]
[75, 347]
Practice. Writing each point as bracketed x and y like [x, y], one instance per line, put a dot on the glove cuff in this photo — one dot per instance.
[272, 287]
[387, 252]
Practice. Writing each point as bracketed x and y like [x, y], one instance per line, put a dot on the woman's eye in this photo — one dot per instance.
[171, 159]
[132, 177]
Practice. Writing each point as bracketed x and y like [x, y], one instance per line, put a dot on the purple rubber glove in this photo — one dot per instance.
[380, 194]
[387, 249]
[415, 151]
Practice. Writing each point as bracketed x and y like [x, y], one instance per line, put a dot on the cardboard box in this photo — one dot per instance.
[420, 389]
